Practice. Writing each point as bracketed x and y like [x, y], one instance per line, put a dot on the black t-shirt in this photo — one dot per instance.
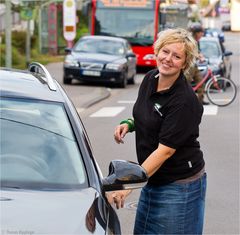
[172, 118]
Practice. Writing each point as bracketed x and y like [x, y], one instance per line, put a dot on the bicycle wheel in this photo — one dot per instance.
[221, 92]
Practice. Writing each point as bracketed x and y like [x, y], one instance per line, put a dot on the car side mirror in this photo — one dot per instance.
[124, 175]
[68, 50]
[227, 53]
[130, 54]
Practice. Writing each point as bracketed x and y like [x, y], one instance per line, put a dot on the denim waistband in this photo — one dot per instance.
[192, 178]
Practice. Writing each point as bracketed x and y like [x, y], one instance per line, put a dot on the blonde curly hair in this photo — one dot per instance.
[178, 35]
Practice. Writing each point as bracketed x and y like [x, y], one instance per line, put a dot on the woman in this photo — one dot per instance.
[166, 121]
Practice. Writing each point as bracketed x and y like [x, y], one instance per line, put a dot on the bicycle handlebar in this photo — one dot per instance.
[203, 63]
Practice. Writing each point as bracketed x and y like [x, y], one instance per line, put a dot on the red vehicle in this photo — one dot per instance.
[139, 21]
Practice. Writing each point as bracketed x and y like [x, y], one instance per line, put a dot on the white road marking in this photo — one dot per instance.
[210, 110]
[108, 112]
[114, 111]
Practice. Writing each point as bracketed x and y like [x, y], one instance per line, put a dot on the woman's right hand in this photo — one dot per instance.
[120, 131]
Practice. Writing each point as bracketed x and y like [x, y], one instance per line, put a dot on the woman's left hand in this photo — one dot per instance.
[118, 197]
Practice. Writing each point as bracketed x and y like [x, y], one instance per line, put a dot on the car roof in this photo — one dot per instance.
[24, 84]
[100, 37]
[214, 29]
[210, 38]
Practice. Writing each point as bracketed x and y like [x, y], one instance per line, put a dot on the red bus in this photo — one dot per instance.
[139, 21]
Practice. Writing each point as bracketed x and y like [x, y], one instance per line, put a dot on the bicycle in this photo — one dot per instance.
[220, 91]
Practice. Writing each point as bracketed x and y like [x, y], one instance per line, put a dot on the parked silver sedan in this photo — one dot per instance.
[218, 57]
[50, 181]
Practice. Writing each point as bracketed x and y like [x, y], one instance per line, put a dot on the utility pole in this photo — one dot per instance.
[28, 44]
[8, 34]
[40, 29]
[27, 15]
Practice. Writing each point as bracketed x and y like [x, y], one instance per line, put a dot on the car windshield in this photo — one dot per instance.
[100, 46]
[38, 147]
[136, 25]
[210, 49]
[173, 15]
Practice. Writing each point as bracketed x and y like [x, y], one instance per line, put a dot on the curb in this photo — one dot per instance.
[104, 94]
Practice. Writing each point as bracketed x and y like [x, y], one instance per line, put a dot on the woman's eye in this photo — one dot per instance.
[177, 57]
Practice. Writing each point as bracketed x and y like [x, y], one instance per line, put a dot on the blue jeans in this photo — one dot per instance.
[176, 208]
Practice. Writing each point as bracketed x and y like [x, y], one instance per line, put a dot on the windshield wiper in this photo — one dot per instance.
[82, 51]
[139, 41]
[7, 186]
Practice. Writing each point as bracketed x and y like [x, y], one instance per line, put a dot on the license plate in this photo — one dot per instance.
[91, 73]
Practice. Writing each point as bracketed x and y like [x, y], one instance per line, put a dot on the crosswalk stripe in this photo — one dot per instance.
[114, 111]
[210, 110]
[108, 112]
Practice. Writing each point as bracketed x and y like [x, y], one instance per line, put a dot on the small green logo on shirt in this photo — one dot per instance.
[157, 107]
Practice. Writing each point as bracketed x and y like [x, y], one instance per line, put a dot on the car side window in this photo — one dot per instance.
[38, 145]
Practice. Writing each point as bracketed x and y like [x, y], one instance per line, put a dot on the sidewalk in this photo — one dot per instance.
[215, 22]
[83, 96]
[88, 96]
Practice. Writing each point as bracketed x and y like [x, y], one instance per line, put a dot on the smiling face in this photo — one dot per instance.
[175, 50]
[171, 59]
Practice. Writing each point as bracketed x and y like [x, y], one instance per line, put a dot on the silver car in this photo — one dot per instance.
[50, 181]
[218, 57]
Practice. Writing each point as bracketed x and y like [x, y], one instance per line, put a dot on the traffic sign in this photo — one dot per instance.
[69, 19]
[27, 13]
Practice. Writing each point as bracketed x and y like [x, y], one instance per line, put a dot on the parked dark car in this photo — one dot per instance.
[50, 182]
[100, 59]
[219, 58]
[215, 32]
[226, 25]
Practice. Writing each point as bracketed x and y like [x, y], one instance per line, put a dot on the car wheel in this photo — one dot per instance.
[123, 82]
[132, 80]
[67, 80]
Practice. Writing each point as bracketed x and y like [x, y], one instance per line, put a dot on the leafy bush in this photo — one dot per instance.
[19, 45]
[45, 58]
[203, 3]
[19, 40]
[82, 25]
[18, 60]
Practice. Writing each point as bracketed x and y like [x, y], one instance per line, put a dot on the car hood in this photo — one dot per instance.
[48, 212]
[95, 57]
[215, 61]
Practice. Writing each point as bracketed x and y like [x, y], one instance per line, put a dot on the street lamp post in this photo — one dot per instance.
[8, 35]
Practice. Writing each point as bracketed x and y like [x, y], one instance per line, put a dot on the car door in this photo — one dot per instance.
[227, 64]
[225, 60]
[131, 60]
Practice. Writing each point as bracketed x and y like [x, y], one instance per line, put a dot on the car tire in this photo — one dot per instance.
[67, 80]
[132, 80]
[124, 81]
